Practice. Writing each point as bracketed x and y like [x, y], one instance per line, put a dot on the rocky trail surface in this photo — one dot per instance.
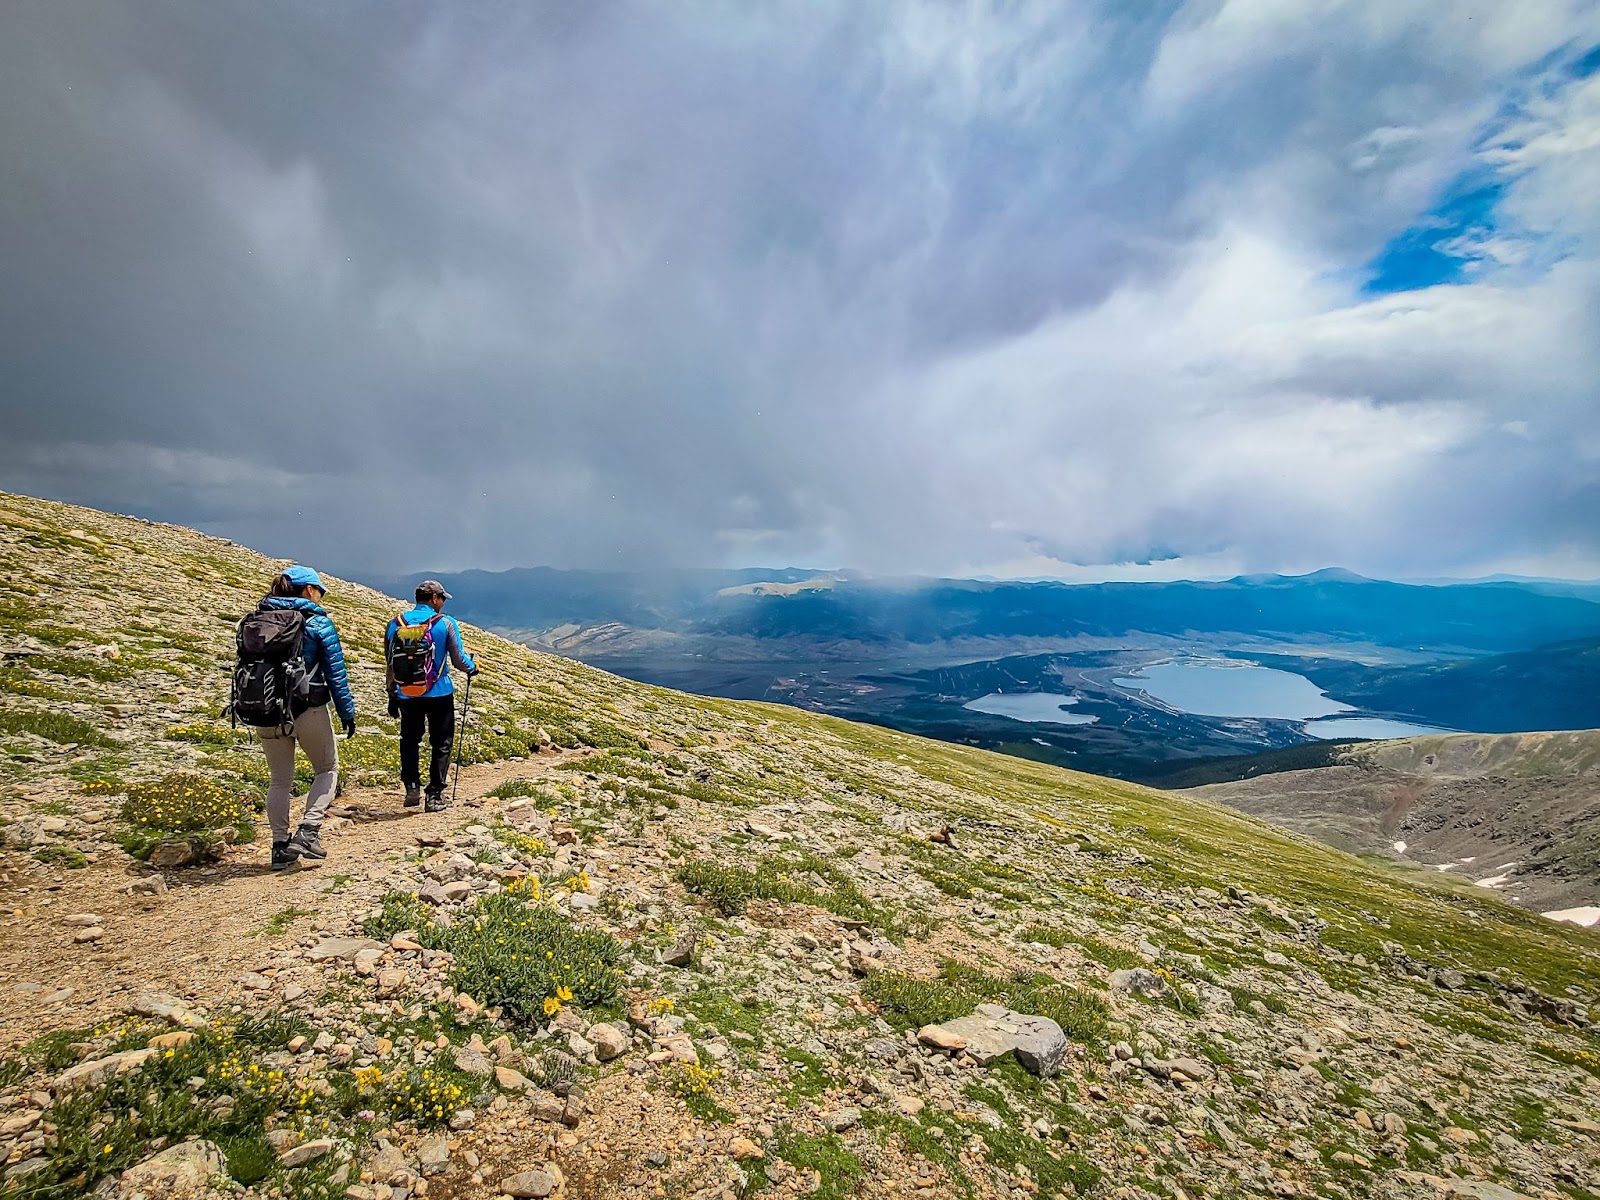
[668, 946]
[205, 931]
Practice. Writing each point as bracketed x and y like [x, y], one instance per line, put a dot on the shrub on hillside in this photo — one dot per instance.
[730, 889]
[513, 789]
[959, 989]
[181, 807]
[221, 1083]
[61, 728]
[513, 950]
[400, 911]
[527, 957]
[428, 1095]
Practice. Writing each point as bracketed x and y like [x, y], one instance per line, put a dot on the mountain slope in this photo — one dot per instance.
[1249, 1013]
[1521, 809]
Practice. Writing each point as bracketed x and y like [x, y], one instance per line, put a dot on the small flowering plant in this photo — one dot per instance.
[427, 1095]
[696, 1084]
[522, 843]
[1586, 1060]
[178, 807]
[523, 954]
[185, 803]
[527, 887]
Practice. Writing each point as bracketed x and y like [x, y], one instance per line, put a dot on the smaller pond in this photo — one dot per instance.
[1045, 707]
[1376, 728]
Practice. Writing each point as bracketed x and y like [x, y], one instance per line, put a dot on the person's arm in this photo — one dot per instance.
[389, 692]
[459, 658]
[334, 672]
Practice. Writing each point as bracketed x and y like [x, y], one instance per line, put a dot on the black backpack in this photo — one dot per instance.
[270, 685]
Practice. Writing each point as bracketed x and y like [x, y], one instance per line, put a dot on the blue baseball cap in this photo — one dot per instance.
[303, 577]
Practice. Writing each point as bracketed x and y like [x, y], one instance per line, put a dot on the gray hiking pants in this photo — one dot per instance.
[313, 731]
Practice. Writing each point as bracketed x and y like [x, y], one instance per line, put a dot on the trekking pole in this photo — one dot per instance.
[461, 739]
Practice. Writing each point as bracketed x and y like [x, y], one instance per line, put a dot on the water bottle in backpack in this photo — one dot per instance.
[414, 659]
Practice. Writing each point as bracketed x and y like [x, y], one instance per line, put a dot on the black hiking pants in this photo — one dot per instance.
[438, 715]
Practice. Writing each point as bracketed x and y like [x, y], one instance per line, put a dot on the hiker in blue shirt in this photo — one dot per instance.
[302, 589]
[419, 647]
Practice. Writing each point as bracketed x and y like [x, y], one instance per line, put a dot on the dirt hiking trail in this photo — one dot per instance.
[213, 925]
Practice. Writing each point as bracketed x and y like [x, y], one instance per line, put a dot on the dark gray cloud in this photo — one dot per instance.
[908, 286]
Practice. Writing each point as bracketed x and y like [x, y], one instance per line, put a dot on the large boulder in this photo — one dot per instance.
[608, 1041]
[168, 1008]
[182, 1170]
[447, 867]
[341, 949]
[1137, 981]
[533, 1185]
[99, 1070]
[305, 1152]
[992, 1032]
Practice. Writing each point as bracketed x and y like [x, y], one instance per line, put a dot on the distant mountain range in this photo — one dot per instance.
[833, 607]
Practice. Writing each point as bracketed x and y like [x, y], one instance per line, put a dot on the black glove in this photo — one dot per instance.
[472, 671]
[350, 728]
[394, 705]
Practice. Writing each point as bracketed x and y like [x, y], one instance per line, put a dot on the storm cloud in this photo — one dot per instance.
[1009, 288]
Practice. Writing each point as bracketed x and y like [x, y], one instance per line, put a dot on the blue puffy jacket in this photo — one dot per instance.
[323, 654]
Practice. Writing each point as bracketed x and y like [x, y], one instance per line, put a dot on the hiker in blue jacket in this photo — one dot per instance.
[419, 647]
[302, 588]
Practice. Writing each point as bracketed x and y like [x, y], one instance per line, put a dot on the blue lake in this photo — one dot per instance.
[1047, 707]
[1219, 687]
[1214, 687]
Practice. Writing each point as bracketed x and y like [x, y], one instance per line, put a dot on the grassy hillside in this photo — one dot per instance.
[1301, 1021]
[1566, 754]
[1520, 808]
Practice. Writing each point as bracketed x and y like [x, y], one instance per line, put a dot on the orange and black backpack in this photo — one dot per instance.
[414, 660]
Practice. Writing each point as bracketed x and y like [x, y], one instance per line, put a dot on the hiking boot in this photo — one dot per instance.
[435, 802]
[284, 855]
[413, 796]
[307, 843]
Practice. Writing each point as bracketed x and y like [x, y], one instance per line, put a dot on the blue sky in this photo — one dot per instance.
[1442, 245]
[1430, 251]
[1022, 288]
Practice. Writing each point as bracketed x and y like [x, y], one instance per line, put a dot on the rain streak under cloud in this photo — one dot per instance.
[1035, 289]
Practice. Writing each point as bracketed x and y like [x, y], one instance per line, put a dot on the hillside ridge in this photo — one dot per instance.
[694, 947]
[1519, 810]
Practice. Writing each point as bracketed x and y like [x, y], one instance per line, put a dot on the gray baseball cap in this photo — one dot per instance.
[432, 587]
